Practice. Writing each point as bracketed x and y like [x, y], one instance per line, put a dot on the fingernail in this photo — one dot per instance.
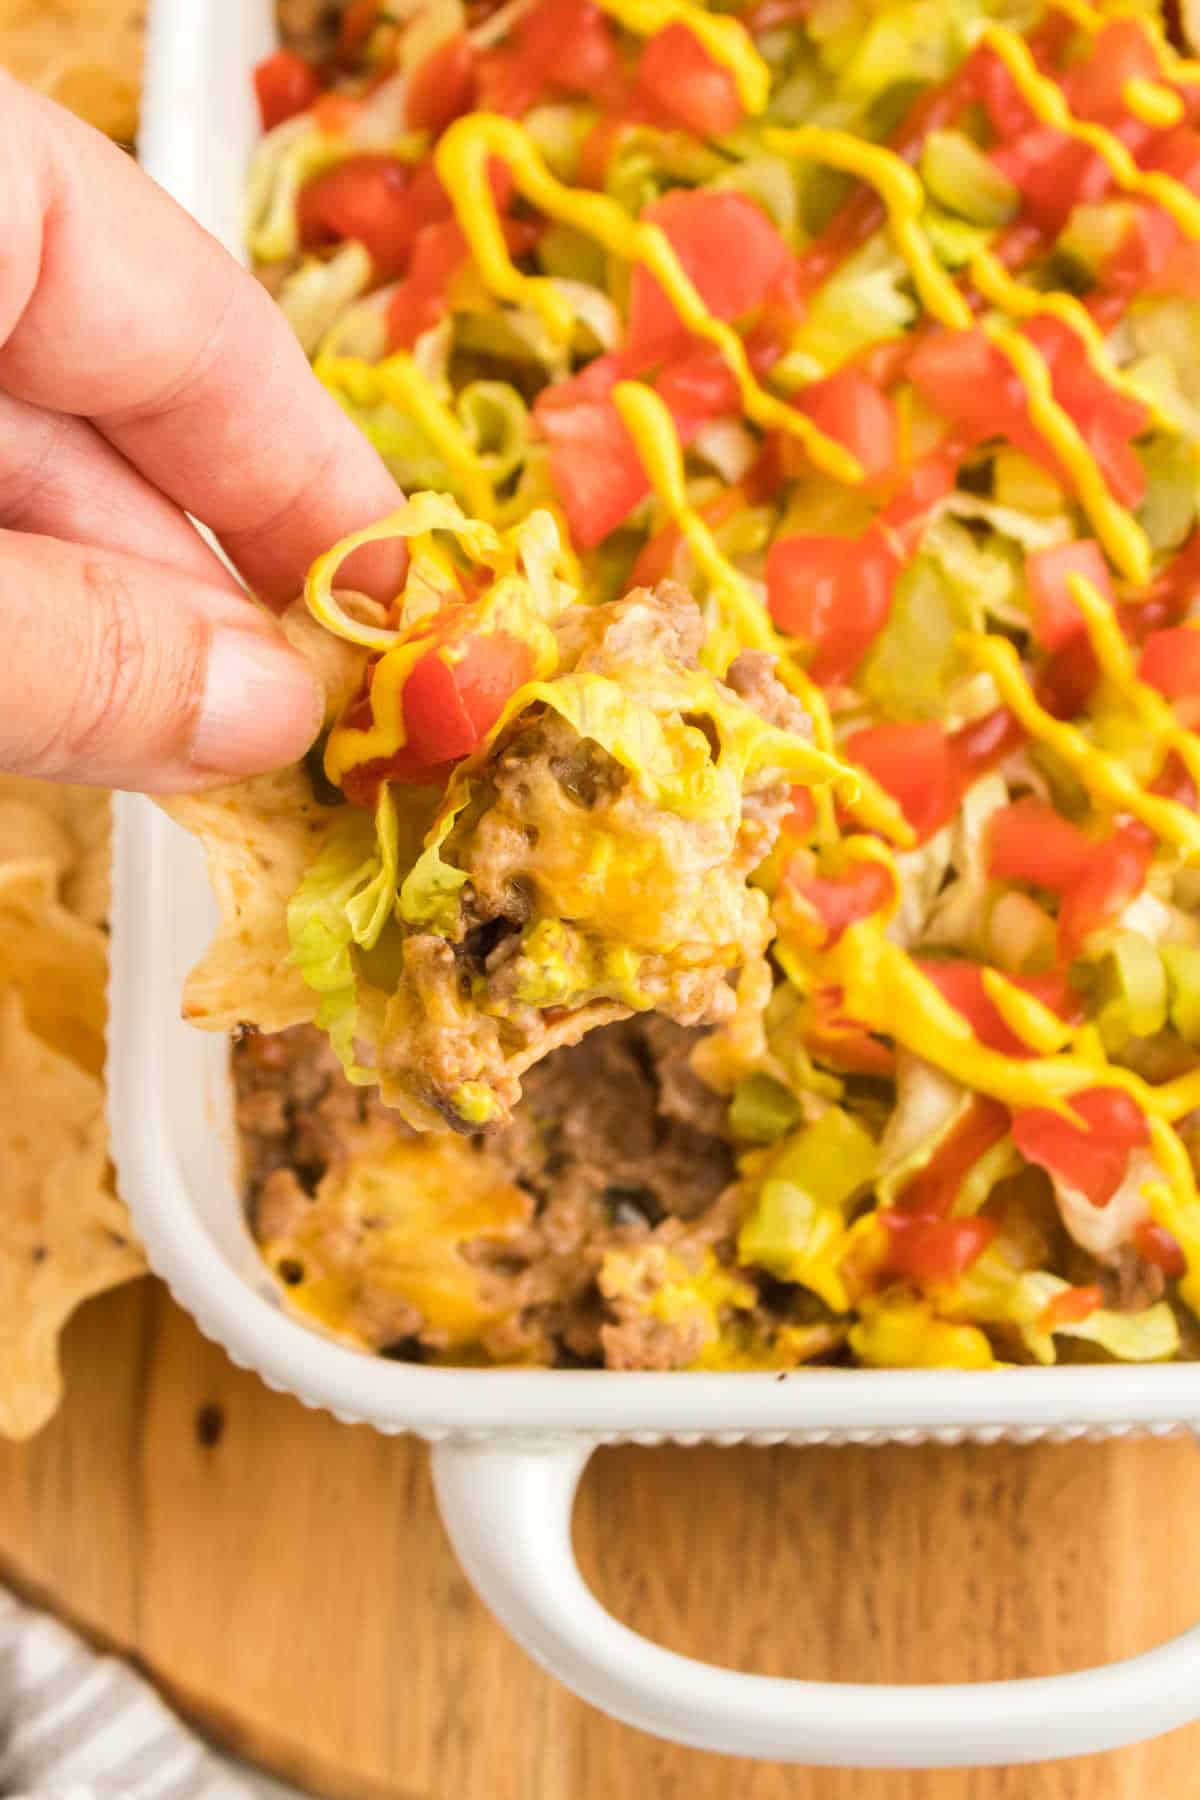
[261, 706]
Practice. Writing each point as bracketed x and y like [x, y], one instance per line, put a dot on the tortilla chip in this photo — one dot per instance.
[65, 1234]
[86, 54]
[259, 837]
[29, 834]
[57, 963]
[77, 821]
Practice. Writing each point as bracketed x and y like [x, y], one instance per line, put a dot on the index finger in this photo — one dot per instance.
[114, 304]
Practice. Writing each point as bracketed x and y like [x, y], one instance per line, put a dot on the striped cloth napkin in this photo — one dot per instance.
[77, 1726]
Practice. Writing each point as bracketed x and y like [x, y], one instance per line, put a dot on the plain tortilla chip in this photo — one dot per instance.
[259, 837]
[56, 962]
[65, 1234]
[86, 54]
[76, 832]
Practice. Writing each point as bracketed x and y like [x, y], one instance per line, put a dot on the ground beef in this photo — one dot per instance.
[752, 675]
[615, 1140]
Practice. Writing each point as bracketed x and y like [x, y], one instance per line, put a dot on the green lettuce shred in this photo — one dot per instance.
[345, 899]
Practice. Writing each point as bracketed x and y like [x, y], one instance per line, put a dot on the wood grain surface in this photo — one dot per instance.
[286, 1580]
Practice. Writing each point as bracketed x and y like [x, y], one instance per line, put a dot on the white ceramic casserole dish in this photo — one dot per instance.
[510, 1446]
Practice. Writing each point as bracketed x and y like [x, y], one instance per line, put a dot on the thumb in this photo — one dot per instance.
[130, 674]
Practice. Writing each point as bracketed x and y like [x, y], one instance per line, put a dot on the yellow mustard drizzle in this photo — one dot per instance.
[885, 992]
[461, 159]
[1027, 1017]
[899, 188]
[648, 420]
[1021, 301]
[399, 380]
[1116, 661]
[726, 40]
[347, 746]
[1152, 103]
[1102, 774]
[1118, 530]
[1046, 100]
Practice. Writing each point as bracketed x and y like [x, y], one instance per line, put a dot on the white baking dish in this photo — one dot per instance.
[510, 1446]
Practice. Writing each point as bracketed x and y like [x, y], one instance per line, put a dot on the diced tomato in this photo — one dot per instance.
[1056, 617]
[928, 1251]
[1170, 662]
[1009, 113]
[730, 249]
[983, 745]
[698, 386]
[1177, 154]
[1118, 53]
[1092, 1159]
[1066, 683]
[368, 197]
[913, 763]
[1147, 255]
[594, 464]
[285, 85]
[833, 593]
[442, 86]
[1114, 875]
[853, 411]
[1029, 841]
[558, 46]
[682, 81]
[927, 483]
[803, 816]
[439, 253]
[969, 382]
[574, 43]
[448, 704]
[836, 1040]
[961, 983]
[1161, 1247]
[840, 900]
[1055, 173]
[933, 1190]
[1070, 1306]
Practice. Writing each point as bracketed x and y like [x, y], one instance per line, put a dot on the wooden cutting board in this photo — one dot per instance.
[286, 1580]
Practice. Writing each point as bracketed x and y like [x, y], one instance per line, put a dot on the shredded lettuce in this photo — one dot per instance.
[796, 1225]
[915, 658]
[965, 181]
[1181, 963]
[315, 296]
[346, 897]
[867, 299]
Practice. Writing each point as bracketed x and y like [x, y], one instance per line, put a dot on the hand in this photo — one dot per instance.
[142, 373]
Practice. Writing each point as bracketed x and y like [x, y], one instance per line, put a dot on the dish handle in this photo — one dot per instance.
[507, 1509]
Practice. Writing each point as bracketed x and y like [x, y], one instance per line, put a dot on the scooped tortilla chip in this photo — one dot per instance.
[65, 1234]
[57, 962]
[259, 837]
